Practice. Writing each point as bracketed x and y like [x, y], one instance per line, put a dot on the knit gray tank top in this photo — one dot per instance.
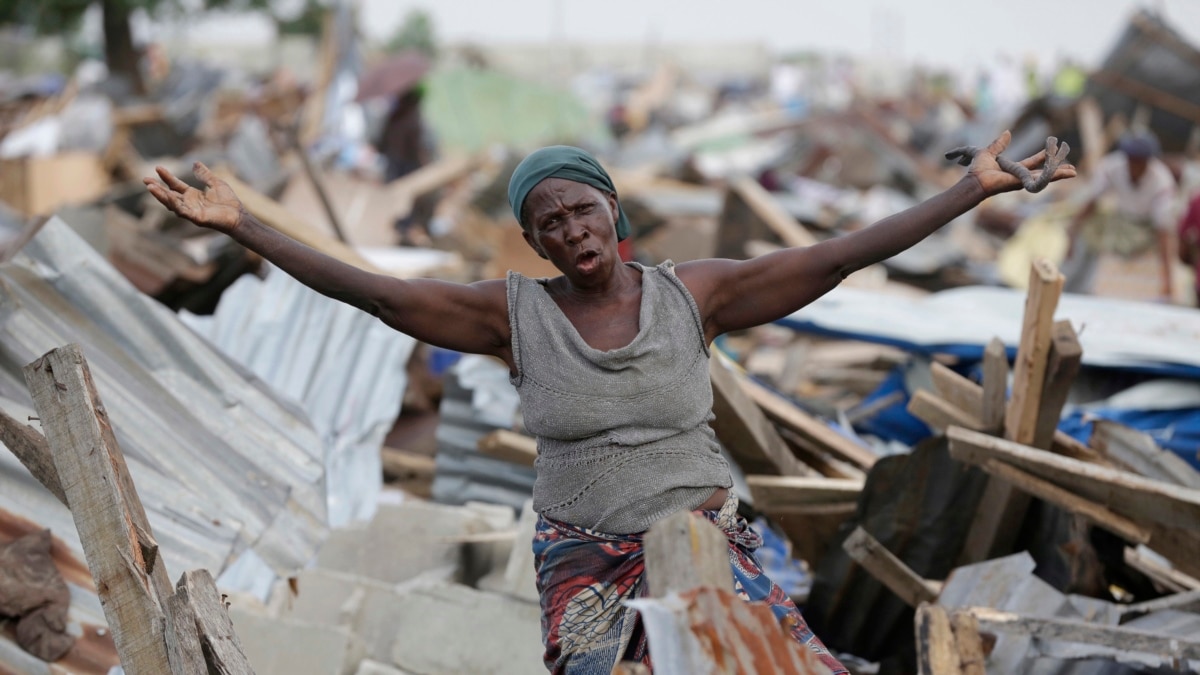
[623, 436]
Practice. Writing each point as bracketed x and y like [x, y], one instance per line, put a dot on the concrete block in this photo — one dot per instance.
[457, 629]
[402, 541]
[284, 647]
[518, 578]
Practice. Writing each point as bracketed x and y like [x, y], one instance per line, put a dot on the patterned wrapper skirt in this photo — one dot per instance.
[584, 577]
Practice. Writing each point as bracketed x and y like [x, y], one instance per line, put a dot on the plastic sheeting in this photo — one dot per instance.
[1146, 337]
[231, 476]
[344, 367]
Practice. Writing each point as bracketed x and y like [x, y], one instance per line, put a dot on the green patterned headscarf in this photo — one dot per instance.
[561, 161]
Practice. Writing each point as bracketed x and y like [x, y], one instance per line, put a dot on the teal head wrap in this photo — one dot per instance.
[561, 161]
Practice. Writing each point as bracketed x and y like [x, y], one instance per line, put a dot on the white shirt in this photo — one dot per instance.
[1152, 198]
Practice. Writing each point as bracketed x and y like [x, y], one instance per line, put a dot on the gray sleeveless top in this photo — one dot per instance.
[623, 435]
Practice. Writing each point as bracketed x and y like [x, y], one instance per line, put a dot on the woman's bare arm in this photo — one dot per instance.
[733, 295]
[464, 317]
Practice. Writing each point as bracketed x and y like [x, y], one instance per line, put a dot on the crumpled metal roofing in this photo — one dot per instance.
[344, 366]
[231, 475]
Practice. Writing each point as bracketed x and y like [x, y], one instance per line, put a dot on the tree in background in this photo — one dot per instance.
[58, 17]
[416, 32]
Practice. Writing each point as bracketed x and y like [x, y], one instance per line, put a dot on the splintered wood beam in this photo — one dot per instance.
[222, 648]
[787, 415]
[1062, 366]
[948, 643]
[888, 569]
[957, 390]
[994, 394]
[183, 638]
[131, 580]
[1069, 501]
[1037, 331]
[509, 446]
[769, 210]
[684, 551]
[1069, 630]
[745, 431]
[938, 413]
[31, 449]
[1141, 499]
[781, 492]
[824, 463]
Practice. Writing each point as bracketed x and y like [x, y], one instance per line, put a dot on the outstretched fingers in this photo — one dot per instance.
[171, 180]
[205, 174]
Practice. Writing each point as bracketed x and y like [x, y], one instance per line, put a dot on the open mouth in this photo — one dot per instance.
[587, 261]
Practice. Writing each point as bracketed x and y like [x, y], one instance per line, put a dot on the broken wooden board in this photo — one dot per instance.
[957, 390]
[948, 644]
[939, 414]
[888, 569]
[1062, 365]
[31, 449]
[787, 415]
[749, 212]
[685, 551]
[745, 431]
[1067, 630]
[509, 446]
[1169, 578]
[994, 391]
[222, 648]
[121, 552]
[1133, 496]
[773, 493]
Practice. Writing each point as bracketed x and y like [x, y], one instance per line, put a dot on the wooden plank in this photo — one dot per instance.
[937, 651]
[940, 414]
[780, 492]
[888, 569]
[1067, 446]
[1067, 630]
[1068, 501]
[787, 415]
[768, 209]
[994, 393]
[182, 637]
[1167, 577]
[131, 583]
[822, 462]
[1045, 287]
[1187, 601]
[684, 551]
[1141, 499]
[957, 390]
[31, 449]
[222, 648]
[1138, 452]
[406, 464]
[745, 431]
[509, 446]
[1061, 368]
[274, 215]
[970, 644]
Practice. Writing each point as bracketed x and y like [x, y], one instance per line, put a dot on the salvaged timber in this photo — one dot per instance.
[1067, 446]
[939, 414]
[1069, 501]
[772, 214]
[957, 390]
[888, 569]
[787, 415]
[1067, 630]
[994, 393]
[684, 551]
[745, 431]
[31, 449]
[822, 462]
[1001, 511]
[222, 648]
[274, 215]
[509, 446]
[405, 464]
[109, 517]
[183, 638]
[773, 493]
[1133, 496]
[947, 644]
[1062, 365]
[1037, 332]
[1169, 578]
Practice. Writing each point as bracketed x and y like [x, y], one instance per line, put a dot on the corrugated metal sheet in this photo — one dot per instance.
[344, 367]
[231, 476]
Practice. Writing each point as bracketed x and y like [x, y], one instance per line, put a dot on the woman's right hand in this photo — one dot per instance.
[217, 207]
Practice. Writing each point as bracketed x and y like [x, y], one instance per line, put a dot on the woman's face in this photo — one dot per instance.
[573, 225]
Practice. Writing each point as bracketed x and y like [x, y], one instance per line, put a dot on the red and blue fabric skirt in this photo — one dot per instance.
[584, 578]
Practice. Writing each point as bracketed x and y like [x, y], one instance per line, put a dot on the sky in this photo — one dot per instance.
[931, 32]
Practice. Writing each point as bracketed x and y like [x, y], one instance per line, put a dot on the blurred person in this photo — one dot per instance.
[1189, 242]
[405, 145]
[611, 363]
[1129, 209]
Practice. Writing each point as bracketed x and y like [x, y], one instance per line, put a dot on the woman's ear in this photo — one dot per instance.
[613, 207]
[533, 244]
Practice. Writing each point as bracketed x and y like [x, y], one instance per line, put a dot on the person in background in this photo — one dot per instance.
[1141, 190]
[1189, 242]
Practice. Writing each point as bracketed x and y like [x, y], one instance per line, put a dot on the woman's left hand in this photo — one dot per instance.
[994, 180]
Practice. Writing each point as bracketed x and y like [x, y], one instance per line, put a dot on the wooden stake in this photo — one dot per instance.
[120, 551]
[31, 449]
[947, 644]
[1061, 368]
[888, 569]
[995, 385]
[222, 648]
[684, 551]
[1045, 287]
[957, 390]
